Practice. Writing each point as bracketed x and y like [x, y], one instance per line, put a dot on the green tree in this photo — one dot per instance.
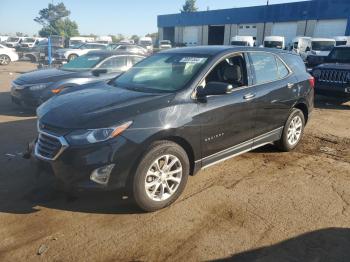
[55, 21]
[189, 6]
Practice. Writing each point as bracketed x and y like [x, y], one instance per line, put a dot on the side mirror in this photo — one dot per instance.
[97, 72]
[214, 89]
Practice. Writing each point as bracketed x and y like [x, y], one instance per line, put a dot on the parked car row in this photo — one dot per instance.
[178, 111]
[34, 88]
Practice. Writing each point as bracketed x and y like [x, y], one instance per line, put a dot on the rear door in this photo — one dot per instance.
[276, 92]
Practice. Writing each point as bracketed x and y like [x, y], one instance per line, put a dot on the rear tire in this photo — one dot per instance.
[292, 132]
[161, 176]
[5, 60]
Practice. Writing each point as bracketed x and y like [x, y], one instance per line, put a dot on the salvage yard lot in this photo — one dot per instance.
[264, 204]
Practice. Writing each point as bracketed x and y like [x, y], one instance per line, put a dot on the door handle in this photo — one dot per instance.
[249, 96]
[290, 85]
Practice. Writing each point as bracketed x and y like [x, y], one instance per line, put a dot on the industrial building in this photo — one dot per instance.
[315, 18]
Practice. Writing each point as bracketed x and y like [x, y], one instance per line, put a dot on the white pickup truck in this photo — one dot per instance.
[68, 54]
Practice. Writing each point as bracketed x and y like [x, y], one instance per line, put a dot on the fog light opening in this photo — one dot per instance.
[101, 175]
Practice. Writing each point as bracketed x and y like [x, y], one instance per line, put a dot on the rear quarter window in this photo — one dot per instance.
[294, 62]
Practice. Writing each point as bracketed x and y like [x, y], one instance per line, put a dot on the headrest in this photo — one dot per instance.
[233, 73]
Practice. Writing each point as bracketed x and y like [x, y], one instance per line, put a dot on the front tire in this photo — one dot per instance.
[161, 176]
[5, 60]
[72, 57]
[293, 131]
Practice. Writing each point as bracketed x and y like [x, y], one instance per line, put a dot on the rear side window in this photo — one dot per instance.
[265, 67]
[294, 62]
[282, 69]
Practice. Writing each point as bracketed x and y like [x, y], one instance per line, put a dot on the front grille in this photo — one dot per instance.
[333, 76]
[49, 147]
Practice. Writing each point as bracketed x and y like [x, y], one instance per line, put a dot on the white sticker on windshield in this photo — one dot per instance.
[192, 60]
[93, 58]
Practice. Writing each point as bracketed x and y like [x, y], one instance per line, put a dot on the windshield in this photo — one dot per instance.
[28, 40]
[162, 73]
[84, 62]
[13, 39]
[341, 42]
[239, 43]
[146, 43]
[273, 44]
[340, 55]
[322, 45]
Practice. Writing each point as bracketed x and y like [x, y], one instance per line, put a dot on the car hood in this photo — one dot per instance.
[45, 76]
[339, 66]
[98, 105]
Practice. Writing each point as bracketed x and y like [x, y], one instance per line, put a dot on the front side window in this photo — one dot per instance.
[162, 73]
[84, 62]
[265, 67]
[230, 71]
[115, 64]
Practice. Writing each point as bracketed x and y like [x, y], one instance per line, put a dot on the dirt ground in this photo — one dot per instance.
[261, 206]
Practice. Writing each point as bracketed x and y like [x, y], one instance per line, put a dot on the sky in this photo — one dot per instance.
[105, 17]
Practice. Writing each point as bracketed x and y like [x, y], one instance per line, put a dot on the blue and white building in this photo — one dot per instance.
[315, 18]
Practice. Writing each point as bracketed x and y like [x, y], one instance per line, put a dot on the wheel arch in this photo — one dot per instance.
[304, 108]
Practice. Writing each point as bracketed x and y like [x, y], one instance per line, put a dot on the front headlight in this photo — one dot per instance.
[91, 136]
[38, 87]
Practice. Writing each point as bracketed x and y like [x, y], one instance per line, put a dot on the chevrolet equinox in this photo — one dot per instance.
[174, 113]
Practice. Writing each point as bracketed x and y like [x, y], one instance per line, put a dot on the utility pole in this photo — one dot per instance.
[265, 18]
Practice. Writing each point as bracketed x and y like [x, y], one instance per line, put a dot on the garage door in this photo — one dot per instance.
[288, 30]
[247, 30]
[190, 35]
[330, 28]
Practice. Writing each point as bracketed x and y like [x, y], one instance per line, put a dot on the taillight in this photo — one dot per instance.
[312, 82]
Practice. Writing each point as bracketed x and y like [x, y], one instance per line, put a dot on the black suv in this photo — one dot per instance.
[333, 77]
[171, 115]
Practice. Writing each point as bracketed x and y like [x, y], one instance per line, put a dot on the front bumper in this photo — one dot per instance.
[26, 98]
[332, 89]
[75, 164]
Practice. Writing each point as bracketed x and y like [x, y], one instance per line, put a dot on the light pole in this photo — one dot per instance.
[265, 18]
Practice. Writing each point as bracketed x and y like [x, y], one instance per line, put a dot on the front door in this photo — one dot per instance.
[227, 120]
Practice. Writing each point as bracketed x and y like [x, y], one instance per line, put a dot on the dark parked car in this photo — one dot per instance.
[34, 88]
[333, 77]
[171, 115]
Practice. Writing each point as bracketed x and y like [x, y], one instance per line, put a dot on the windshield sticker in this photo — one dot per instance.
[94, 58]
[193, 60]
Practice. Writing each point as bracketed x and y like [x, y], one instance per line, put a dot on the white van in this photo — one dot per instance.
[316, 47]
[274, 42]
[299, 42]
[240, 40]
[146, 42]
[14, 41]
[105, 39]
[342, 40]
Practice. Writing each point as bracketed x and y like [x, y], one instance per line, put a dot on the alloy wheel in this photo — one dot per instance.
[163, 177]
[294, 130]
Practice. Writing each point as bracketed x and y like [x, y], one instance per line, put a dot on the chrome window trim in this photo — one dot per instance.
[194, 95]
